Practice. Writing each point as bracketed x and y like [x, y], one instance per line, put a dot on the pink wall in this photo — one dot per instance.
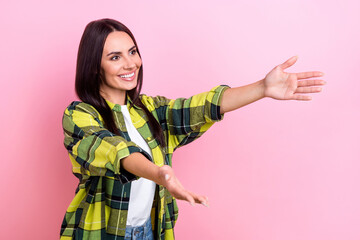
[272, 170]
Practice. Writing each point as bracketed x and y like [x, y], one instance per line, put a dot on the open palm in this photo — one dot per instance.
[286, 86]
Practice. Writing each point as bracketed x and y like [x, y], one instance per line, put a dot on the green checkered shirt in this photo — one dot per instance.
[99, 208]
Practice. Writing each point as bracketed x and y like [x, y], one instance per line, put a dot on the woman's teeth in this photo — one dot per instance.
[127, 76]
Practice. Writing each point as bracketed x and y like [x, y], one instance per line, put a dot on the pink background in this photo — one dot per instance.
[272, 170]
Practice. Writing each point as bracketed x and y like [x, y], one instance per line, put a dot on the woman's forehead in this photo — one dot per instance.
[118, 41]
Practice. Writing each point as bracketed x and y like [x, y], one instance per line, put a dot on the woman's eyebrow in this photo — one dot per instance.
[120, 52]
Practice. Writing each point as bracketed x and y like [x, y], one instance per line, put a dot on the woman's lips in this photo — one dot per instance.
[128, 76]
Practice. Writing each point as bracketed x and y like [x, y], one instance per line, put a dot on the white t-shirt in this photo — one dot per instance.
[142, 190]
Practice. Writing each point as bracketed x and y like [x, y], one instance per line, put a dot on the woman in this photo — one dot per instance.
[121, 143]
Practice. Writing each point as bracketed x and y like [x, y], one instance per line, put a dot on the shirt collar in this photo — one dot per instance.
[129, 102]
[117, 107]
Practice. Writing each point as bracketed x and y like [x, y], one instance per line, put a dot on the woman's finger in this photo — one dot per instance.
[313, 82]
[288, 63]
[301, 97]
[304, 75]
[200, 199]
[308, 89]
[190, 199]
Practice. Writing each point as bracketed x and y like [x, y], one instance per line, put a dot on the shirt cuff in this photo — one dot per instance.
[214, 99]
[123, 175]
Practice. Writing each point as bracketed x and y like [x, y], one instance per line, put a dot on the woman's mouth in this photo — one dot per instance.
[128, 77]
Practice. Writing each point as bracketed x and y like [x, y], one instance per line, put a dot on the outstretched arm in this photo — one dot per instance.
[277, 84]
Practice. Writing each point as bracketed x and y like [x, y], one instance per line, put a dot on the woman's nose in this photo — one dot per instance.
[129, 63]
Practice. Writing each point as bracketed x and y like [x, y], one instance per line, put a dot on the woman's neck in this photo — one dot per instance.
[116, 97]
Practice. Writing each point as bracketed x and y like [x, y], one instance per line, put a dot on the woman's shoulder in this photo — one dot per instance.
[81, 107]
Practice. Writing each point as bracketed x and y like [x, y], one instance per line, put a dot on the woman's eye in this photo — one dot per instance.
[114, 58]
[133, 52]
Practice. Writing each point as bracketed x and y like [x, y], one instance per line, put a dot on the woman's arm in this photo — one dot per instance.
[140, 166]
[186, 119]
[277, 85]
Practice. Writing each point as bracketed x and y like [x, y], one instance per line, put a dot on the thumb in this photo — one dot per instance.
[289, 62]
[190, 199]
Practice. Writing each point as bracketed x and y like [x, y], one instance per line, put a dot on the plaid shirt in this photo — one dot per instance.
[99, 208]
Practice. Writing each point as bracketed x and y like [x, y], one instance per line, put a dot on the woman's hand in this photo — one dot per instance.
[173, 185]
[277, 84]
[138, 164]
[284, 86]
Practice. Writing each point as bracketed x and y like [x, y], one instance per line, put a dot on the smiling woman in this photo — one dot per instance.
[121, 143]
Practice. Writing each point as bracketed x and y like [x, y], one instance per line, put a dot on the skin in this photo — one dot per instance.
[277, 84]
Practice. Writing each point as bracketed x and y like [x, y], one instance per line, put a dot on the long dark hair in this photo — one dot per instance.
[87, 80]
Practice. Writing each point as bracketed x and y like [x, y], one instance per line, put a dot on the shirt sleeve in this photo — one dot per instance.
[186, 119]
[94, 150]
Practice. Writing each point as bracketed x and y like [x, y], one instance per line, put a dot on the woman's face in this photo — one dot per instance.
[120, 66]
